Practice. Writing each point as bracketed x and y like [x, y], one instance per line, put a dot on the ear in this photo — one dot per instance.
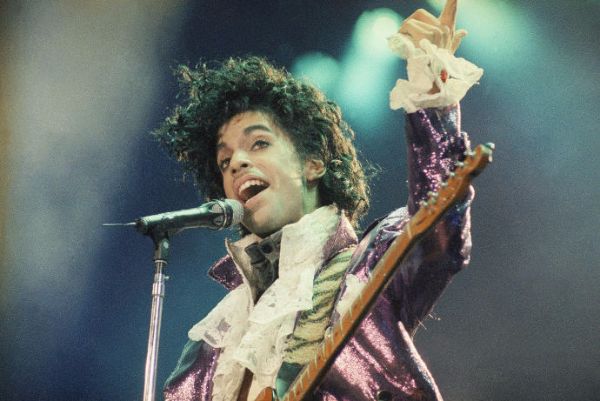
[314, 169]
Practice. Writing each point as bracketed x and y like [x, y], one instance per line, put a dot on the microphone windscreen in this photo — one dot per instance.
[237, 210]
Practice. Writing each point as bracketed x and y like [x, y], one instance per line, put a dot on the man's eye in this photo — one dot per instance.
[223, 164]
[259, 144]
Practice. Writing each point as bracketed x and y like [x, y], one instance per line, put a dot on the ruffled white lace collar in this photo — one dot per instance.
[254, 336]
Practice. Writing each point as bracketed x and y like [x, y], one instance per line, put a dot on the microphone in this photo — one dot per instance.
[215, 215]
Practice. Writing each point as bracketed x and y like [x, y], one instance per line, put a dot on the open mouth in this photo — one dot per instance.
[251, 188]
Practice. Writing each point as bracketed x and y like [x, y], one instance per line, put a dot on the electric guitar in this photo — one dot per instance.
[450, 192]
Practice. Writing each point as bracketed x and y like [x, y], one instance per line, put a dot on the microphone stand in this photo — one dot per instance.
[161, 254]
[217, 214]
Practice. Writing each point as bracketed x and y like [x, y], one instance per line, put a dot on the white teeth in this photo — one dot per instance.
[250, 183]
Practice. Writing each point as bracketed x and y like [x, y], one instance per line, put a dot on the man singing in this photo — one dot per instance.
[251, 132]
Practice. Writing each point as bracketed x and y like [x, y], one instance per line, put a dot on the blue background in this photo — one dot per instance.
[86, 81]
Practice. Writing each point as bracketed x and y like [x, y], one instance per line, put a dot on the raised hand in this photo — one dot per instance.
[439, 31]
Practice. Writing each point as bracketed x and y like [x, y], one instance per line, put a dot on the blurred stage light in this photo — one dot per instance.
[361, 81]
[372, 29]
[319, 69]
[369, 68]
[84, 79]
[497, 30]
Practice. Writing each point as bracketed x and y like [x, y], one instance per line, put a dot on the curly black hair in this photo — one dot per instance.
[213, 95]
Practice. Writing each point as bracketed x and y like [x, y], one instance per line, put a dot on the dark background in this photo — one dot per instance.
[83, 84]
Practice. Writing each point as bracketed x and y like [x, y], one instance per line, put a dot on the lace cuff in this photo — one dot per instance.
[426, 66]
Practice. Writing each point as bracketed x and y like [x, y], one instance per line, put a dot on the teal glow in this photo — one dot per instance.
[498, 30]
[317, 68]
[361, 81]
[373, 28]
[369, 67]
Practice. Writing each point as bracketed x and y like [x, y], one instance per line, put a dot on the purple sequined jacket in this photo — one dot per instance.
[380, 361]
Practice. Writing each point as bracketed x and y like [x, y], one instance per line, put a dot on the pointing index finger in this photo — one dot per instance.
[448, 15]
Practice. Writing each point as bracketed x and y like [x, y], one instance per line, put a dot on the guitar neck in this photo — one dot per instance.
[431, 211]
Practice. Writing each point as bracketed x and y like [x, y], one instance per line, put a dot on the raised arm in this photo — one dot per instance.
[435, 142]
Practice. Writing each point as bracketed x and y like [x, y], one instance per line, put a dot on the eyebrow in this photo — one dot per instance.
[247, 131]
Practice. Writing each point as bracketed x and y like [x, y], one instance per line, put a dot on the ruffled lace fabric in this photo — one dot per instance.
[254, 336]
[426, 66]
[353, 287]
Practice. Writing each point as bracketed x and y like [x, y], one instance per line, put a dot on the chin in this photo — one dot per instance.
[270, 215]
[259, 226]
[262, 232]
[264, 225]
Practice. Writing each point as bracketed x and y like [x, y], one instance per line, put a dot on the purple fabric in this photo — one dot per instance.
[435, 142]
[196, 384]
[380, 360]
[225, 273]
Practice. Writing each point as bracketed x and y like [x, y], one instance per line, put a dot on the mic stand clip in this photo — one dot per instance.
[161, 255]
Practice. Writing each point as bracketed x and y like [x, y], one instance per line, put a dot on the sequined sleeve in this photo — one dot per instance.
[435, 143]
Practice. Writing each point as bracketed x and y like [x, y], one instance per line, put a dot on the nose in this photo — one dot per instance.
[239, 162]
